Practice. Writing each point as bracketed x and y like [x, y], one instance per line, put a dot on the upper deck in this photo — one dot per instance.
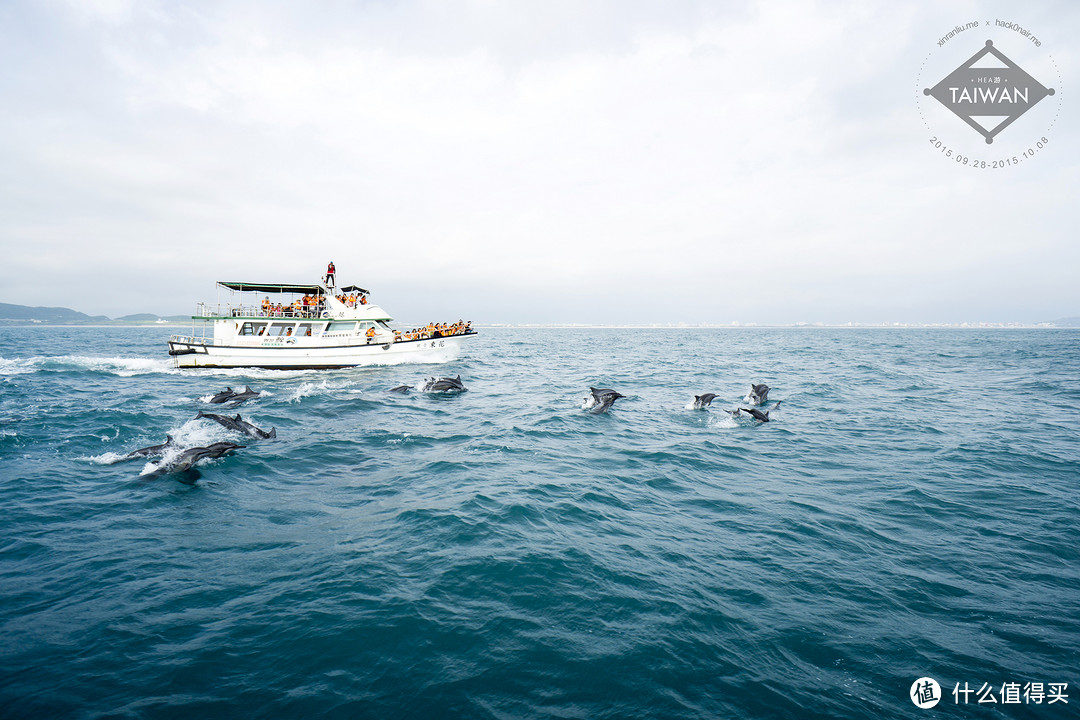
[314, 302]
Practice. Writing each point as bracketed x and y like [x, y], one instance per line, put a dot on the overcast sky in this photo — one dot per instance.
[535, 161]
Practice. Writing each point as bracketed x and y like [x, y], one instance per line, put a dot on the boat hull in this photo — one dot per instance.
[199, 353]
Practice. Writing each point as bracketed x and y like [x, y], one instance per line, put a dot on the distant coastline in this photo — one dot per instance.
[23, 315]
[60, 316]
[1064, 324]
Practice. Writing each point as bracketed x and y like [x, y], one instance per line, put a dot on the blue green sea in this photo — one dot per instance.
[910, 511]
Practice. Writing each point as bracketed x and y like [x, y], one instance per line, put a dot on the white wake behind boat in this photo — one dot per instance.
[320, 331]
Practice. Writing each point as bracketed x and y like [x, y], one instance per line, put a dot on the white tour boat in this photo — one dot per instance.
[325, 328]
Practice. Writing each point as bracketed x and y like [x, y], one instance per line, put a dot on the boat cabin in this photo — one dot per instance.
[267, 314]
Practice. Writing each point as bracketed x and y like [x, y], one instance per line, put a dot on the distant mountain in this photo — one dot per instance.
[1068, 322]
[53, 315]
[24, 315]
[149, 317]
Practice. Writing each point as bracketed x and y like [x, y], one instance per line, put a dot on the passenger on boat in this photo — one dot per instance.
[330, 272]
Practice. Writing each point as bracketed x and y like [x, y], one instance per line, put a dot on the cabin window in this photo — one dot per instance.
[249, 329]
[305, 330]
[336, 327]
[279, 329]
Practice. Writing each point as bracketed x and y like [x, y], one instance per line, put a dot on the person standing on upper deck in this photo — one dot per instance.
[330, 272]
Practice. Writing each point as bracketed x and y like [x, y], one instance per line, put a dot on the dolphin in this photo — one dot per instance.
[403, 389]
[702, 401]
[444, 384]
[602, 399]
[184, 462]
[153, 450]
[758, 414]
[238, 424]
[240, 397]
[223, 396]
[759, 393]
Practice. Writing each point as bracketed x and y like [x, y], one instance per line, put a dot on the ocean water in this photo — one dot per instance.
[910, 511]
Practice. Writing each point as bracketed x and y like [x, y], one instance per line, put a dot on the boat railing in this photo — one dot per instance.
[216, 310]
[212, 310]
[195, 340]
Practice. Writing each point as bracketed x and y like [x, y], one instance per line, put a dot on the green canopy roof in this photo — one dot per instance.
[273, 287]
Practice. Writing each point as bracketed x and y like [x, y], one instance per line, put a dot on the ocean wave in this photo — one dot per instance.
[120, 366]
[192, 433]
[107, 458]
[323, 387]
[15, 367]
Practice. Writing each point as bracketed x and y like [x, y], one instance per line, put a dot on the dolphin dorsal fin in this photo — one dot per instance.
[247, 389]
[237, 416]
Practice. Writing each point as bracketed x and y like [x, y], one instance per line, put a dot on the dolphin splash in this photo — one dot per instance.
[444, 384]
[601, 400]
[759, 393]
[702, 401]
[184, 463]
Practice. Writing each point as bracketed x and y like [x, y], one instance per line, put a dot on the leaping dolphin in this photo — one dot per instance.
[702, 401]
[185, 461]
[229, 395]
[602, 400]
[759, 393]
[222, 396]
[403, 389]
[151, 451]
[240, 397]
[444, 384]
[238, 424]
[758, 414]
